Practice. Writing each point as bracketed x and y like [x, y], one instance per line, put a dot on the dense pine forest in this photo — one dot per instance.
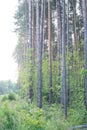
[51, 53]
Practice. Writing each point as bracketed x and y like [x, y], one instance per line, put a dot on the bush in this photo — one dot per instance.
[12, 96]
[54, 119]
[4, 98]
[8, 118]
[32, 119]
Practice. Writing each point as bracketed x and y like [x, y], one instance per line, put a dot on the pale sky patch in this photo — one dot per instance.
[8, 40]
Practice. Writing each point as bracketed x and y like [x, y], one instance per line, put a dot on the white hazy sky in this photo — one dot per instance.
[8, 40]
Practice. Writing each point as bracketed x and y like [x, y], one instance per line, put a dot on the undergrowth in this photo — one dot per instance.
[18, 115]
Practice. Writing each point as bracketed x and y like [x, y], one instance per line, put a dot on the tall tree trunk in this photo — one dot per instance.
[68, 49]
[64, 101]
[50, 51]
[59, 38]
[74, 24]
[30, 50]
[84, 3]
[25, 34]
[30, 24]
[44, 28]
[39, 54]
[33, 32]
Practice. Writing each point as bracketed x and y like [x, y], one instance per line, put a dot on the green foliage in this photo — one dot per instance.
[21, 17]
[28, 117]
[84, 72]
[23, 116]
[11, 96]
[32, 120]
[55, 119]
[24, 119]
[56, 82]
[8, 118]
[77, 116]
[4, 98]
[45, 80]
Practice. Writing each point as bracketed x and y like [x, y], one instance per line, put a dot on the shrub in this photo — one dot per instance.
[8, 118]
[12, 96]
[4, 98]
[32, 120]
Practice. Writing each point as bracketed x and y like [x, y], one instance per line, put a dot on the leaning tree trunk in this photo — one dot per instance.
[84, 3]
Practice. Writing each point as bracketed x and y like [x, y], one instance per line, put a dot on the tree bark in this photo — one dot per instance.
[74, 24]
[84, 3]
[59, 38]
[39, 54]
[30, 51]
[64, 102]
[50, 51]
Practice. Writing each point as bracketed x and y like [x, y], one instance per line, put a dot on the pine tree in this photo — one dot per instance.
[39, 52]
[50, 50]
[64, 61]
[84, 3]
